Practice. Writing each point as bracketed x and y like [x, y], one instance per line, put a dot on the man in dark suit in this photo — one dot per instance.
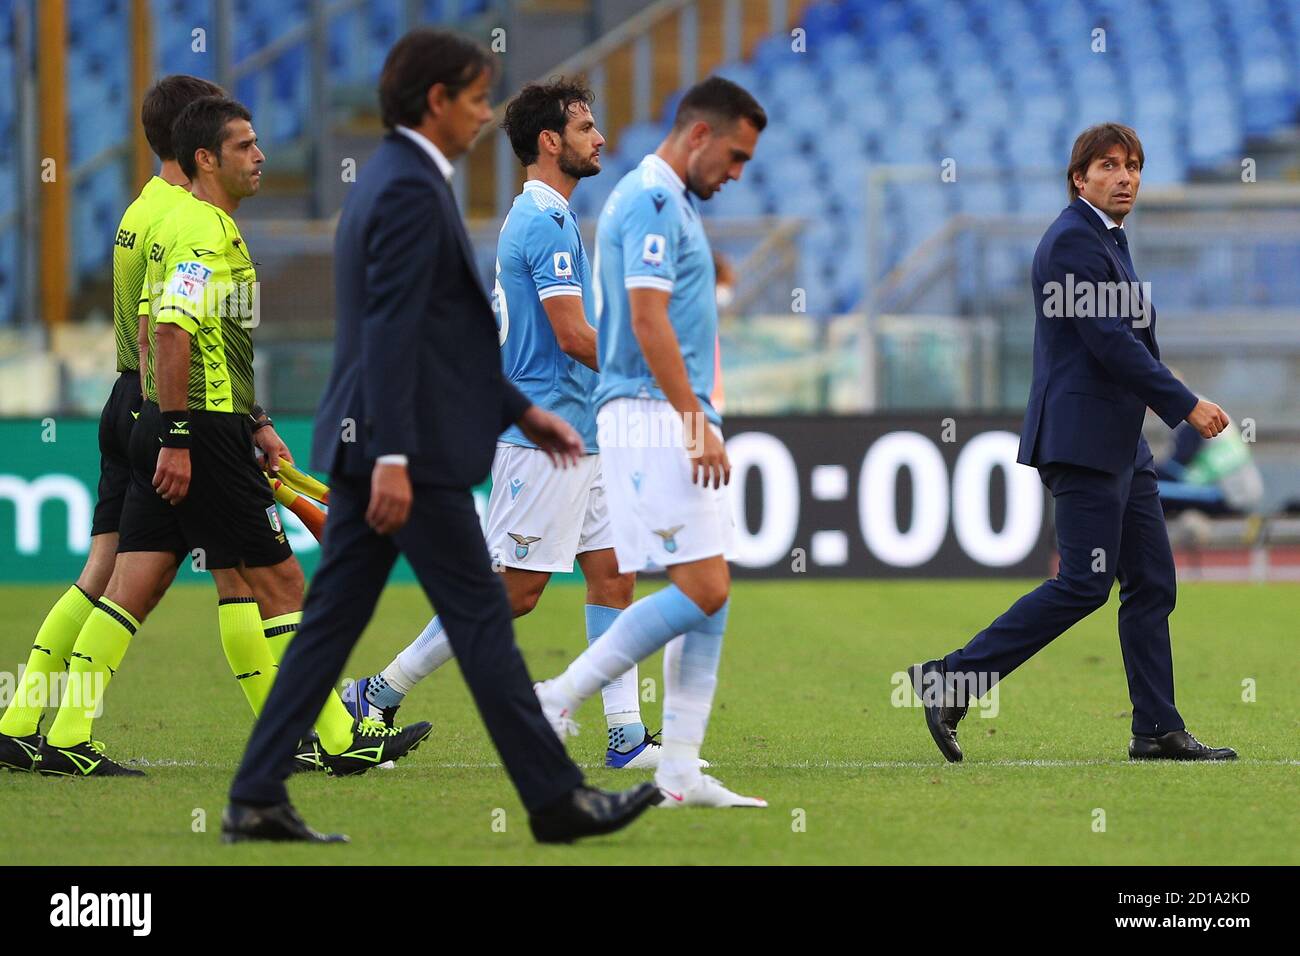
[1096, 371]
[408, 424]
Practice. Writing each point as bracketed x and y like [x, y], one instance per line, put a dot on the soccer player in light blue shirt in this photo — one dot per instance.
[650, 236]
[540, 518]
[657, 319]
[540, 257]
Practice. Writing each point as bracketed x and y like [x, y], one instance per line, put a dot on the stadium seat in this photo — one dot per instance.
[995, 85]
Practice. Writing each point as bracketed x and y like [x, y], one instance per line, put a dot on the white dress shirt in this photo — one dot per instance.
[1105, 219]
[426, 144]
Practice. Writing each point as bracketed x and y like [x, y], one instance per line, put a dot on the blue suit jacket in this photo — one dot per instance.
[1094, 377]
[417, 364]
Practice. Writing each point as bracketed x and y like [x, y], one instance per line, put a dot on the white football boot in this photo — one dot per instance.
[707, 792]
[555, 709]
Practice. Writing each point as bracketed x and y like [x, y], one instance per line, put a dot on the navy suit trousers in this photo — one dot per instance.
[444, 544]
[1107, 527]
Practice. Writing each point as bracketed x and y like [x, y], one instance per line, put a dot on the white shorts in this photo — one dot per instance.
[659, 517]
[540, 517]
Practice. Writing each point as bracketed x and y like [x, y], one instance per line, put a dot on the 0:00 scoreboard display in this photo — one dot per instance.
[885, 496]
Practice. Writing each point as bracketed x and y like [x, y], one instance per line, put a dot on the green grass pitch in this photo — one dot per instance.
[803, 717]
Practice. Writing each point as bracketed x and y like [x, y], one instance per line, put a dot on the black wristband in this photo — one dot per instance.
[259, 417]
[176, 429]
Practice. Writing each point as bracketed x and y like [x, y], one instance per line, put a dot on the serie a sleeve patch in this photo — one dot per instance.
[652, 254]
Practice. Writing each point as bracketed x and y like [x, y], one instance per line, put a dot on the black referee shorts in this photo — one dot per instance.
[229, 514]
[116, 422]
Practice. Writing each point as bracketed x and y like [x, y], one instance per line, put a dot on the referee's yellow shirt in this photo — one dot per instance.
[130, 251]
[201, 279]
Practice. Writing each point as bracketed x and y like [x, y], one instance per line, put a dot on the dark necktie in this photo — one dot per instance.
[1121, 240]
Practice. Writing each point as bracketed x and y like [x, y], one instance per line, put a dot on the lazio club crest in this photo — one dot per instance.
[522, 541]
[670, 538]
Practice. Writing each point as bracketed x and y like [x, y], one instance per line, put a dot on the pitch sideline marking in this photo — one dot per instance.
[804, 765]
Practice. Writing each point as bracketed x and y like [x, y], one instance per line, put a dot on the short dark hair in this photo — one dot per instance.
[420, 60]
[164, 102]
[1094, 143]
[538, 107]
[202, 125]
[719, 102]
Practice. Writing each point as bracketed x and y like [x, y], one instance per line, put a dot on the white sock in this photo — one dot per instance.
[622, 704]
[420, 658]
[690, 680]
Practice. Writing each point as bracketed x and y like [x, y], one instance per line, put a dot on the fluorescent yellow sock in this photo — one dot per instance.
[50, 655]
[246, 649]
[334, 725]
[98, 653]
[279, 632]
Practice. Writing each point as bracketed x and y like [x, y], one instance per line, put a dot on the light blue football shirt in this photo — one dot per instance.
[540, 255]
[649, 236]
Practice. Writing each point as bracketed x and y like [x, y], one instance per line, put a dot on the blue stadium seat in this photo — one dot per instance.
[783, 172]
[982, 197]
[750, 77]
[803, 197]
[734, 200]
[589, 198]
[971, 145]
[823, 21]
[639, 139]
[812, 117]
[995, 84]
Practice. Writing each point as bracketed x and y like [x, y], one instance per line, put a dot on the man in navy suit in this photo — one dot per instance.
[1096, 371]
[407, 426]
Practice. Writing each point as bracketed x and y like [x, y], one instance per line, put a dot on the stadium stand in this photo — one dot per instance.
[1002, 86]
[993, 85]
[100, 114]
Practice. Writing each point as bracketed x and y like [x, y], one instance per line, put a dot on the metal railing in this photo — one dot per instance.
[314, 34]
[1220, 258]
[636, 36]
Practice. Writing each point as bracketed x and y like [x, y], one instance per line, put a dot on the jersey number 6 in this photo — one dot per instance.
[499, 306]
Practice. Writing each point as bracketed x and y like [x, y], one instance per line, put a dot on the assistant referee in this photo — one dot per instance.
[196, 486]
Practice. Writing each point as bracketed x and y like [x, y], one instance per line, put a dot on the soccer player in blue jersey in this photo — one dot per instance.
[541, 518]
[660, 441]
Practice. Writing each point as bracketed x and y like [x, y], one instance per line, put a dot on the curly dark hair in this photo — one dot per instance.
[538, 107]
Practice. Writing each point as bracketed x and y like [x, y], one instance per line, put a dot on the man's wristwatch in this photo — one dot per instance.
[259, 417]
